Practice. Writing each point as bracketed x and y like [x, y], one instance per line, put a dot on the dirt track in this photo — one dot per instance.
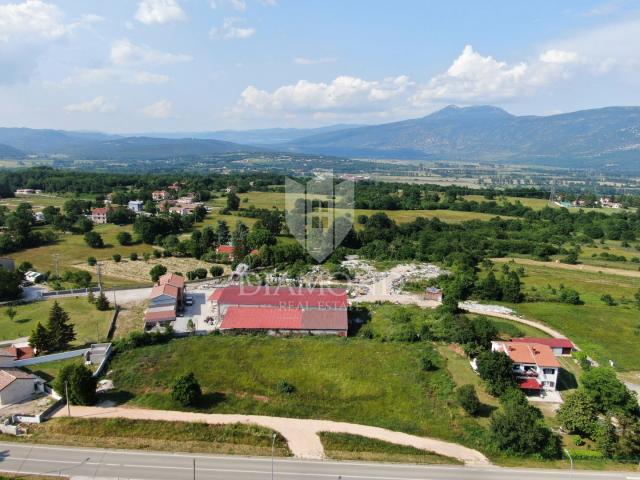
[565, 266]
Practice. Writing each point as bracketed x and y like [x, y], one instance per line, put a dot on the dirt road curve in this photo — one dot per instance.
[565, 266]
[301, 434]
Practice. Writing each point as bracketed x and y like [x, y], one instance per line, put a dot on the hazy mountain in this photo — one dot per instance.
[7, 151]
[489, 134]
[266, 136]
[147, 148]
[47, 141]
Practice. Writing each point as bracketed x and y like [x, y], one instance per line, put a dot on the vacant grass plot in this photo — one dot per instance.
[449, 216]
[159, 436]
[339, 379]
[535, 203]
[90, 324]
[604, 332]
[343, 446]
[50, 370]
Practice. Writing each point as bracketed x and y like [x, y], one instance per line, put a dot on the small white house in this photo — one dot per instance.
[16, 386]
[136, 206]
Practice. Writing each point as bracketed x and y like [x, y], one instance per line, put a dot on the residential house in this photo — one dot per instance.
[99, 215]
[281, 310]
[38, 217]
[136, 206]
[16, 386]
[165, 300]
[559, 346]
[229, 251]
[159, 195]
[535, 366]
[6, 358]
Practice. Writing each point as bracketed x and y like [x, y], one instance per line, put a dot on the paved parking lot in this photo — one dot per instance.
[198, 313]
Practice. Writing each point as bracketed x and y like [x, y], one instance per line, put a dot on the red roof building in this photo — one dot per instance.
[291, 320]
[99, 215]
[230, 251]
[531, 361]
[283, 297]
[559, 346]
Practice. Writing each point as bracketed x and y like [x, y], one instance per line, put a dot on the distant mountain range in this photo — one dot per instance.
[590, 139]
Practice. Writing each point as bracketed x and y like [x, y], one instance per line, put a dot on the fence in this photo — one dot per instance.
[51, 358]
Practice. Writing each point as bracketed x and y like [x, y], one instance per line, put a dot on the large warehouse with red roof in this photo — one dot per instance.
[281, 310]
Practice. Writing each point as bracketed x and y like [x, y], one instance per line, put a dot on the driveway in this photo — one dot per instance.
[301, 434]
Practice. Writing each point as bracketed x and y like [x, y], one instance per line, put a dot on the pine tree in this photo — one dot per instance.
[39, 339]
[60, 331]
[102, 303]
[91, 298]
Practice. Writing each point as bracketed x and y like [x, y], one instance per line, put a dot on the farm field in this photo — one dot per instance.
[90, 324]
[604, 332]
[339, 379]
[535, 203]
[158, 436]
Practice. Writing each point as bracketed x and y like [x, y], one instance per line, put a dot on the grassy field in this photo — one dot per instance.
[339, 379]
[50, 370]
[158, 436]
[615, 248]
[343, 446]
[90, 324]
[604, 332]
[73, 250]
[535, 203]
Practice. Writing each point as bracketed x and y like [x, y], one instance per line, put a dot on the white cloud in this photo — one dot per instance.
[98, 104]
[84, 77]
[314, 61]
[238, 5]
[144, 78]
[159, 12]
[160, 110]
[342, 94]
[558, 56]
[123, 52]
[31, 21]
[230, 31]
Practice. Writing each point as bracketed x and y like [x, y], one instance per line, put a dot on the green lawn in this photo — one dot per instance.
[73, 250]
[604, 332]
[121, 433]
[343, 446]
[361, 381]
[50, 370]
[90, 324]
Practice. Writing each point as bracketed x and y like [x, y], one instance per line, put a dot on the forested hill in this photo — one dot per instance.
[588, 138]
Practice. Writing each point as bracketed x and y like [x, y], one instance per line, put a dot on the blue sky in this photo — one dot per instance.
[190, 65]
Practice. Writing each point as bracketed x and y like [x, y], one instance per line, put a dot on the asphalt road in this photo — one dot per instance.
[81, 463]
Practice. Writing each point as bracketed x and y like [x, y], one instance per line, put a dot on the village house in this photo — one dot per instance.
[229, 251]
[16, 386]
[559, 346]
[159, 195]
[99, 215]
[281, 310]
[166, 298]
[136, 206]
[535, 366]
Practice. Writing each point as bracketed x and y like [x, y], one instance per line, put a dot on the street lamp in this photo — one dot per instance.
[570, 459]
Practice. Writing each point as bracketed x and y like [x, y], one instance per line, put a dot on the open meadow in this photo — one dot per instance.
[90, 324]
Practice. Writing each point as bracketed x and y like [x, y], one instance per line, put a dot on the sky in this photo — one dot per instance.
[128, 66]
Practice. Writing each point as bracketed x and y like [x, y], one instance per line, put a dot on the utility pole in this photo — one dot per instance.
[99, 271]
[273, 449]
[66, 394]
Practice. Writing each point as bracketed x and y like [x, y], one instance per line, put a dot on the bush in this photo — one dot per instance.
[142, 339]
[608, 300]
[133, 256]
[200, 273]
[117, 257]
[186, 390]
[426, 363]
[285, 387]
[468, 399]
[216, 271]
[124, 238]
[91, 261]
[157, 271]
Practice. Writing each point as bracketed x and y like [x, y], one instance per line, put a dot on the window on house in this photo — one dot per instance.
[549, 371]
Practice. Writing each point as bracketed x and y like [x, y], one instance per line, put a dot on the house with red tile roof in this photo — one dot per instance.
[229, 250]
[559, 346]
[165, 299]
[159, 195]
[535, 366]
[99, 215]
[281, 310]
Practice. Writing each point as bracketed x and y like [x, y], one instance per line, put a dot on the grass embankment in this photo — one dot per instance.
[90, 324]
[122, 433]
[343, 446]
[604, 332]
[353, 380]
